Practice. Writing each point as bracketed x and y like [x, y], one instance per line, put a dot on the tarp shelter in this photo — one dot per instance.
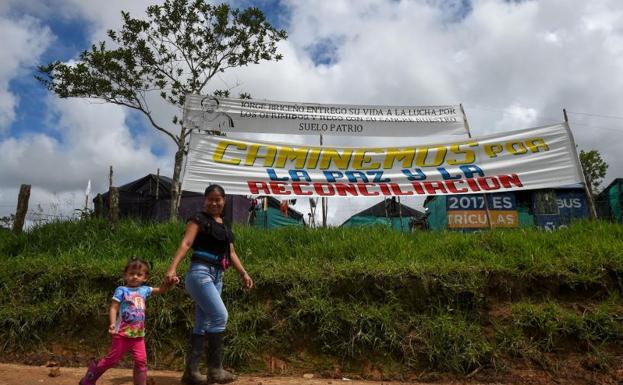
[274, 215]
[609, 202]
[139, 199]
[389, 213]
[545, 208]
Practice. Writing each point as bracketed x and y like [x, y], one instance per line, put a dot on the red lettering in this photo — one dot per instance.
[433, 186]
[473, 185]
[254, 188]
[418, 187]
[320, 189]
[489, 183]
[296, 186]
[345, 189]
[508, 180]
[279, 188]
[396, 189]
[385, 189]
[450, 184]
[363, 189]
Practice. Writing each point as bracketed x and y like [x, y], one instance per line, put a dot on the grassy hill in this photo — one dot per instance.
[337, 300]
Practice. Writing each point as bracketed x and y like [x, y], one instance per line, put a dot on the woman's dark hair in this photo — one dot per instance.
[137, 263]
[214, 187]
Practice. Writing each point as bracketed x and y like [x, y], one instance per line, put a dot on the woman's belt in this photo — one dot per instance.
[206, 257]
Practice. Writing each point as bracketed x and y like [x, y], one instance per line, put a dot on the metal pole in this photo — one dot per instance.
[323, 202]
[587, 190]
[484, 196]
[265, 207]
[400, 214]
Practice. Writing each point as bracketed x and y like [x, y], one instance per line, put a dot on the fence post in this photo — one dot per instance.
[22, 208]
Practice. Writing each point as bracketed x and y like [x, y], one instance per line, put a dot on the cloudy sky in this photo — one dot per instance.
[513, 64]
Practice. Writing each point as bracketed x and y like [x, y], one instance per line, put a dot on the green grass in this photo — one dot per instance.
[418, 301]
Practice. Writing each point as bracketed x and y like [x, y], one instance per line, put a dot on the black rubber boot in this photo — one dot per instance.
[214, 353]
[192, 375]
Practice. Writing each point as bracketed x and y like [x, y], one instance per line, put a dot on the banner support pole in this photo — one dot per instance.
[484, 196]
[587, 190]
[324, 203]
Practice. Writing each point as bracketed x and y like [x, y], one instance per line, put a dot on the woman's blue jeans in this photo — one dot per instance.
[204, 284]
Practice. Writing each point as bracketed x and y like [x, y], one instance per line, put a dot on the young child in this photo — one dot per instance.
[127, 323]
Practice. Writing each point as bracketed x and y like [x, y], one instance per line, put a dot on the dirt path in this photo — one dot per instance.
[13, 374]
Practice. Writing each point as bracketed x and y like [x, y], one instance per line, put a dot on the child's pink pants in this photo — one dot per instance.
[120, 345]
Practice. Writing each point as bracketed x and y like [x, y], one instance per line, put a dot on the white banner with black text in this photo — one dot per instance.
[266, 116]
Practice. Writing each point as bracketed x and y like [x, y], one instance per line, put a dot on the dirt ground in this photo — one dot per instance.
[14, 374]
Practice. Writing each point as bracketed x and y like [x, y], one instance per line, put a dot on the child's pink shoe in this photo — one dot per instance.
[91, 376]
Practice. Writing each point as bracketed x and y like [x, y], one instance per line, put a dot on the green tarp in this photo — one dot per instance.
[369, 220]
[525, 218]
[437, 216]
[273, 218]
[614, 198]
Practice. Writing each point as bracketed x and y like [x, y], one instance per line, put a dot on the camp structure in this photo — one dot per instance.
[390, 213]
[269, 213]
[149, 199]
[609, 202]
[547, 209]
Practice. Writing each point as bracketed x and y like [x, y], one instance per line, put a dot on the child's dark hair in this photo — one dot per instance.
[137, 263]
[214, 187]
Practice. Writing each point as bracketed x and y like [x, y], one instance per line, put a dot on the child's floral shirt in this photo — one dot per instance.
[131, 317]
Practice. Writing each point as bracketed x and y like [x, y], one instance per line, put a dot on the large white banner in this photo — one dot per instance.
[533, 158]
[266, 116]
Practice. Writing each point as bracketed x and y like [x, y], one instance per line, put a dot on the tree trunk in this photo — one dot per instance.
[175, 184]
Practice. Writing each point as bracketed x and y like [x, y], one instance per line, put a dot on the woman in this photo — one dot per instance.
[213, 251]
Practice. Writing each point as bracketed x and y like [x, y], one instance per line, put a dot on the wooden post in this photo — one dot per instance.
[113, 202]
[113, 209]
[589, 194]
[22, 208]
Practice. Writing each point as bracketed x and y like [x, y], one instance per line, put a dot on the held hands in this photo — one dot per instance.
[171, 278]
[167, 283]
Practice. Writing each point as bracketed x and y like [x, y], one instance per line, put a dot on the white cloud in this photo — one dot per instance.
[516, 116]
[23, 41]
[94, 137]
[87, 136]
[512, 65]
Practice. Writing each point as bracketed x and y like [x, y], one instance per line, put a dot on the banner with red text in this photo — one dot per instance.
[267, 116]
[533, 158]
